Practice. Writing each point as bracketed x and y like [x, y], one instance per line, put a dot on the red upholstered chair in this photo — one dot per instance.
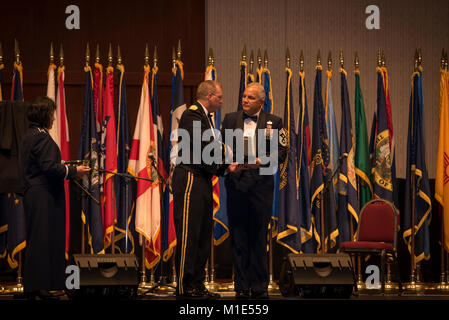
[376, 235]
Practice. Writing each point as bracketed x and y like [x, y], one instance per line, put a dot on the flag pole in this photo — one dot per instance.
[443, 284]
[273, 287]
[360, 283]
[322, 237]
[83, 227]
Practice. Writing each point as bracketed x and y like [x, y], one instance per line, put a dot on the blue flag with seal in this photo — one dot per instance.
[417, 180]
[289, 226]
[321, 177]
[123, 186]
[347, 182]
[89, 150]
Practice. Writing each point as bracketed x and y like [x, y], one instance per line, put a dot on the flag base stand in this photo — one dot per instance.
[227, 287]
[12, 289]
[414, 287]
[273, 288]
[442, 287]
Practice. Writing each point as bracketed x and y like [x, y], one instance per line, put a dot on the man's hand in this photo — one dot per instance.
[81, 171]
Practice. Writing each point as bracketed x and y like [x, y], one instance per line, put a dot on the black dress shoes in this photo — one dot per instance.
[200, 294]
[42, 295]
[242, 295]
[259, 295]
[208, 294]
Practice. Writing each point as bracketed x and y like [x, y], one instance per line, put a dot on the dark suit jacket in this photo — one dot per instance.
[243, 179]
[195, 113]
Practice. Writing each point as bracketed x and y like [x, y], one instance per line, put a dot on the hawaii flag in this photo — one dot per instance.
[60, 134]
[144, 145]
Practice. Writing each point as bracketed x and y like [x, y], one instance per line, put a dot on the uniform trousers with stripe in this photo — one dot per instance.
[192, 210]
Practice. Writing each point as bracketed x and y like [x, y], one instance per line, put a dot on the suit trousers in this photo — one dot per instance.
[249, 203]
[192, 196]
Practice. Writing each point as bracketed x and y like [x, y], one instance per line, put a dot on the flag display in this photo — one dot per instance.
[417, 180]
[289, 223]
[348, 208]
[362, 153]
[321, 174]
[124, 239]
[60, 134]
[269, 102]
[89, 151]
[148, 203]
[442, 178]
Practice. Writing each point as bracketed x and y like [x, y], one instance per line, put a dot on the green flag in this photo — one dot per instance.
[362, 160]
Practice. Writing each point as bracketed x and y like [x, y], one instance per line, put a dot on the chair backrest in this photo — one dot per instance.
[378, 222]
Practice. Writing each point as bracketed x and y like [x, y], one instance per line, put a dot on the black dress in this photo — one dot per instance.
[44, 203]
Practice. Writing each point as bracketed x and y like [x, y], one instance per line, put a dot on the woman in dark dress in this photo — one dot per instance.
[44, 202]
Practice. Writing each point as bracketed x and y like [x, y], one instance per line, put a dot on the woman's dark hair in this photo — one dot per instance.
[41, 111]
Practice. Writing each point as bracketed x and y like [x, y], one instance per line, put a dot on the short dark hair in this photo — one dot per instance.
[41, 111]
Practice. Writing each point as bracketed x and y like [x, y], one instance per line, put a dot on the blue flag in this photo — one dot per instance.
[416, 165]
[123, 187]
[331, 125]
[269, 103]
[289, 226]
[347, 181]
[382, 168]
[16, 237]
[89, 150]
[302, 149]
[321, 177]
[243, 82]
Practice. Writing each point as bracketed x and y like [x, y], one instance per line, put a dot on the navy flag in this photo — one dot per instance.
[382, 167]
[302, 149]
[289, 226]
[243, 82]
[124, 238]
[417, 171]
[89, 151]
[16, 236]
[347, 181]
[321, 174]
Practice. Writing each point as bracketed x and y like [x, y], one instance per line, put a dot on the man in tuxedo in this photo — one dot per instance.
[250, 191]
[192, 190]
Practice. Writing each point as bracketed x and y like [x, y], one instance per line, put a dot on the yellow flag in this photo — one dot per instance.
[442, 174]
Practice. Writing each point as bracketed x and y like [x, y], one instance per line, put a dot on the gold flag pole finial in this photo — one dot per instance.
[110, 55]
[173, 56]
[265, 59]
[329, 61]
[442, 59]
[61, 56]
[52, 53]
[17, 51]
[259, 59]
[1, 54]
[342, 60]
[416, 60]
[419, 56]
[155, 57]
[119, 55]
[379, 58]
[97, 54]
[384, 61]
[445, 61]
[212, 55]
[287, 58]
[87, 55]
[318, 58]
[244, 53]
[301, 61]
[356, 61]
[147, 55]
[209, 58]
[251, 61]
[179, 52]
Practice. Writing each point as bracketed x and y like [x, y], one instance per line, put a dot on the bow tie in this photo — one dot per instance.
[247, 116]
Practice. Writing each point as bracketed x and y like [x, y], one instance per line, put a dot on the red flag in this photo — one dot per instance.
[110, 161]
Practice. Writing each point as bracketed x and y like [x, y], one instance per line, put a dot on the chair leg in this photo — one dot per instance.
[382, 270]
